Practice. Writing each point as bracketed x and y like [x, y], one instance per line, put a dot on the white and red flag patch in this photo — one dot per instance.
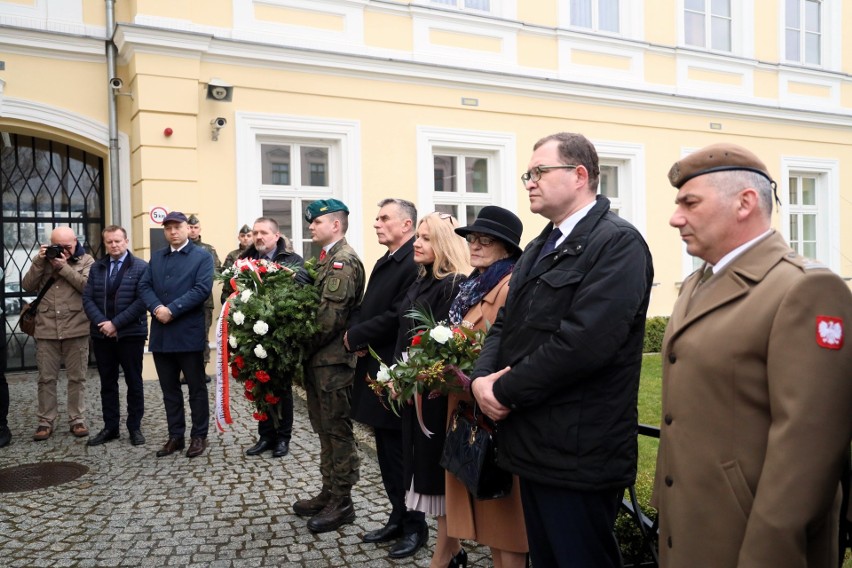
[829, 332]
[337, 265]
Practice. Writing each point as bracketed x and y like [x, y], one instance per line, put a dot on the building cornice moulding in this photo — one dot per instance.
[40, 43]
[546, 84]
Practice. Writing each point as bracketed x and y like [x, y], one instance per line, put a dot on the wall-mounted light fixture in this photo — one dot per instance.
[219, 90]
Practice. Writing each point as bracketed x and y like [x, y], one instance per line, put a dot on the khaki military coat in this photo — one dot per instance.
[757, 415]
[498, 523]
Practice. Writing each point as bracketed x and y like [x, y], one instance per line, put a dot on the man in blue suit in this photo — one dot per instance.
[118, 330]
[178, 281]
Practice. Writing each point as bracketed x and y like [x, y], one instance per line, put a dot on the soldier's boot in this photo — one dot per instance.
[312, 506]
[338, 512]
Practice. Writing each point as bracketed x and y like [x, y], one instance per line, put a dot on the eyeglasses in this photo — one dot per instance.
[535, 173]
[482, 239]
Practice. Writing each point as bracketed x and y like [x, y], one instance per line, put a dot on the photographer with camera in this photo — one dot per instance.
[62, 328]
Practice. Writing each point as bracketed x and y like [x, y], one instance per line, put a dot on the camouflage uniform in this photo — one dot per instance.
[331, 370]
[208, 304]
[232, 257]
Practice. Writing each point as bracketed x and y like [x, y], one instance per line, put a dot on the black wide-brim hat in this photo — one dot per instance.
[497, 222]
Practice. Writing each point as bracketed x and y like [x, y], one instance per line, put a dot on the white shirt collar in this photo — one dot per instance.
[728, 258]
[569, 223]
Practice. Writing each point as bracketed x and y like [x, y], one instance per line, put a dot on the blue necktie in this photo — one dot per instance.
[549, 244]
[115, 266]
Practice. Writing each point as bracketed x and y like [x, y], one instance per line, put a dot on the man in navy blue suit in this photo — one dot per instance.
[178, 281]
[118, 330]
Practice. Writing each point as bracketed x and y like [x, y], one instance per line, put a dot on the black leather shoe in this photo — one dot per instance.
[409, 544]
[281, 449]
[196, 447]
[387, 533]
[338, 512]
[312, 506]
[103, 437]
[170, 447]
[5, 436]
[136, 438]
[261, 446]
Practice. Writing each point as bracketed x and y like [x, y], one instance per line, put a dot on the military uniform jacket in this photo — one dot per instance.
[340, 279]
[376, 324]
[757, 415]
[572, 332]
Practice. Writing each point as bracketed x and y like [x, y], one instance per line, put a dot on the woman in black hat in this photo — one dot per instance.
[493, 240]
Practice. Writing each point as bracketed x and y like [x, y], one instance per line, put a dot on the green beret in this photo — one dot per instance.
[193, 220]
[245, 229]
[323, 207]
[716, 158]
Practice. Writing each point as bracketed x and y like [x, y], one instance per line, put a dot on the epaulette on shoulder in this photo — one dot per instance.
[805, 264]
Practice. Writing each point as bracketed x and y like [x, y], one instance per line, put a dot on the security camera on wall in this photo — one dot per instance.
[116, 83]
[218, 90]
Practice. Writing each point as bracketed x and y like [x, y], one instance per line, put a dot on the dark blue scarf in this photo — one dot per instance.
[477, 286]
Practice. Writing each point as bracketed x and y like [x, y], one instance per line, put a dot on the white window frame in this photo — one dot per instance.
[344, 176]
[827, 174]
[595, 26]
[630, 160]
[832, 34]
[498, 146]
[803, 34]
[506, 9]
[708, 27]
[742, 29]
[630, 19]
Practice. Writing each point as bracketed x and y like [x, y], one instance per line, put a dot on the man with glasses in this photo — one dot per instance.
[62, 328]
[560, 366]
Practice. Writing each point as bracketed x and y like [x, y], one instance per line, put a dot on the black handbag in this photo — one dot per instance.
[470, 453]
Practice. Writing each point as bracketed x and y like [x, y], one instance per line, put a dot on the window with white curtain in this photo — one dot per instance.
[803, 31]
[599, 15]
[804, 215]
[707, 24]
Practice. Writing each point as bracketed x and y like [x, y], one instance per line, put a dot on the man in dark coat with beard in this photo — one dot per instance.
[376, 325]
[270, 245]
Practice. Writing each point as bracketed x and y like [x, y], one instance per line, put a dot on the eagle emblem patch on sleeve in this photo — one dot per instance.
[829, 332]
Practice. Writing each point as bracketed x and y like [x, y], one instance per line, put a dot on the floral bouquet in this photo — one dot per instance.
[265, 333]
[437, 362]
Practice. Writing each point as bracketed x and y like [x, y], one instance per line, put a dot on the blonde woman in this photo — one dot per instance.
[494, 242]
[443, 259]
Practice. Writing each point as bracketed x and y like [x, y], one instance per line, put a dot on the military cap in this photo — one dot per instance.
[193, 220]
[174, 217]
[324, 207]
[245, 229]
[716, 158]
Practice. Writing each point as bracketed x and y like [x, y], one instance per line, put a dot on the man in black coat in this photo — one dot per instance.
[376, 325]
[270, 245]
[119, 326]
[560, 366]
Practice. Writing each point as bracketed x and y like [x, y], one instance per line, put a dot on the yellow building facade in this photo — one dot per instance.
[232, 109]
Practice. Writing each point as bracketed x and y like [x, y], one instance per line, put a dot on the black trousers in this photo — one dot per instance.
[4, 397]
[126, 353]
[389, 454]
[169, 367]
[267, 430]
[567, 528]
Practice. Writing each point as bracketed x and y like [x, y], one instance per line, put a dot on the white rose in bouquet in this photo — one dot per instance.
[260, 351]
[441, 334]
[239, 318]
[260, 327]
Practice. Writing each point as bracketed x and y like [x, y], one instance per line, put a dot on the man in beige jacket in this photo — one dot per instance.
[62, 328]
[757, 382]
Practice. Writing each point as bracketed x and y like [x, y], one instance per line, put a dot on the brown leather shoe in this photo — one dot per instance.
[170, 447]
[339, 511]
[312, 506]
[42, 433]
[196, 447]
[79, 429]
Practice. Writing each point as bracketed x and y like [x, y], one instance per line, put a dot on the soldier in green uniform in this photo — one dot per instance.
[245, 242]
[195, 236]
[331, 369]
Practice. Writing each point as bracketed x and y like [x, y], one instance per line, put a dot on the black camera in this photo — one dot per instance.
[54, 251]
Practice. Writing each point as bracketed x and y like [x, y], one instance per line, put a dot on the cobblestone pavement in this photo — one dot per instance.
[222, 509]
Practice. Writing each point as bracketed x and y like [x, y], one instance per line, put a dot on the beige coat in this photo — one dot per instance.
[498, 523]
[757, 415]
[60, 312]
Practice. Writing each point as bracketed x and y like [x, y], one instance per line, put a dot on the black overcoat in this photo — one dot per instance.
[376, 324]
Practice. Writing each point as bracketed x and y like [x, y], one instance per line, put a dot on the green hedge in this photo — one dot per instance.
[655, 327]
